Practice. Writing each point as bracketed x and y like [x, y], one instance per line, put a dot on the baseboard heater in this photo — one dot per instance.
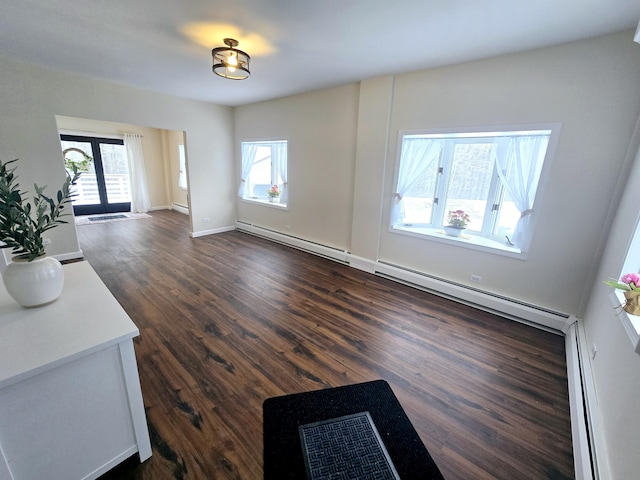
[519, 311]
[305, 245]
[180, 208]
[590, 455]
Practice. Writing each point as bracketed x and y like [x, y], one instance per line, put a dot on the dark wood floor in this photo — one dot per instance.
[229, 320]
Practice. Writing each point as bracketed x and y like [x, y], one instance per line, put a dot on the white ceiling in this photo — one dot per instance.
[295, 45]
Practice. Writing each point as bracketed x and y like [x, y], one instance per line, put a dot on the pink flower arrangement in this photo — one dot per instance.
[458, 218]
[274, 191]
[629, 281]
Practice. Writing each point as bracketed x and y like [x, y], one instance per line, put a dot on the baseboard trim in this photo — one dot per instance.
[213, 231]
[180, 208]
[64, 257]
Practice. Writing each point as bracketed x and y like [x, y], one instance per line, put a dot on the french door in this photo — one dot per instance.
[104, 185]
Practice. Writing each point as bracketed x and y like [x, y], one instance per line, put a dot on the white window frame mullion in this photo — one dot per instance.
[493, 197]
[442, 187]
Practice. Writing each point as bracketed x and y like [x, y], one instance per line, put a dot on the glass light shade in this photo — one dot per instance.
[229, 62]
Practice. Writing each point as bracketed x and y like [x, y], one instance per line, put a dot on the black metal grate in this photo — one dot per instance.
[347, 447]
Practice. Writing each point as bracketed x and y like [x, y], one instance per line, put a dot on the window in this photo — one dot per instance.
[631, 323]
[182, 173]
[492, 176]
[264, 172]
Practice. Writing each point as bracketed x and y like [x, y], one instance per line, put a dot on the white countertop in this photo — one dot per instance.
[85, 319]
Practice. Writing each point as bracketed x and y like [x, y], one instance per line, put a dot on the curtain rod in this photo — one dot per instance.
[91, 133]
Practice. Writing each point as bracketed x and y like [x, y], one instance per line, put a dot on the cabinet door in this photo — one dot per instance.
[68, 422]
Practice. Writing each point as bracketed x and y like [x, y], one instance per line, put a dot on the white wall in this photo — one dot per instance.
[320, 128]
[31, 97]
[590, 87]
[616, 367]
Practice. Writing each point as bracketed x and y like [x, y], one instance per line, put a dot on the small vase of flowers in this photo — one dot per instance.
[458, 221]
[274, 194]
[630, 285]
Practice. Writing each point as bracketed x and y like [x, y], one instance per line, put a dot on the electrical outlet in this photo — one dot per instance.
[594, 350]
[46, 241]
[476, 278]
[205, 220]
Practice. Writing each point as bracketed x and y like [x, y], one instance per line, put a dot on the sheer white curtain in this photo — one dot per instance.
[279, 162]
[418, 154]
[519, 161]
[140, 199]
[249, 151]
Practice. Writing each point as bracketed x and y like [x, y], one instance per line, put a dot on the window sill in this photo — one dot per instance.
[631, 323]
[473, 242]
[263, 201]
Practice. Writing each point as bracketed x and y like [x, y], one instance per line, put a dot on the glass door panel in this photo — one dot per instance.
[116, 173]
[80, 154]
[104, 185]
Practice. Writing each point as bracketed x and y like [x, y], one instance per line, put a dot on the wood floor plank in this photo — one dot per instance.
[229, 320]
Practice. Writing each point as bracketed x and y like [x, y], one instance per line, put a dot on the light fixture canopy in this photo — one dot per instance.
[229, 62]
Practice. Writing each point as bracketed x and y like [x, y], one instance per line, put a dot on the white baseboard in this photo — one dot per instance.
[160, 207]
[180, 208]
[591, 460]
[361, 263]
[69, 256]
[213, 231]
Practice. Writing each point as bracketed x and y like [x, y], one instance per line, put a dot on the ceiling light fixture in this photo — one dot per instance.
[229, 62]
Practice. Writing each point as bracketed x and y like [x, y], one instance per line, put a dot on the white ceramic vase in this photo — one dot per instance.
[453, 231]
[34, 283]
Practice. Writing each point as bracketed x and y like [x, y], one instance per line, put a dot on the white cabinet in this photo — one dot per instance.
[70, 399]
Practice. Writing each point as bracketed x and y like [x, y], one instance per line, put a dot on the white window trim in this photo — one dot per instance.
[476, 242]
[261, 201]
[631, 323]
[182, 153]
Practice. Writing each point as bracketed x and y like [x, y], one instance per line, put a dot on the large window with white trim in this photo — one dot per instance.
[483, 183]
[264, 172]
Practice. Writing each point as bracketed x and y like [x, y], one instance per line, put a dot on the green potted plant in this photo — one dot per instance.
[22, 224]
